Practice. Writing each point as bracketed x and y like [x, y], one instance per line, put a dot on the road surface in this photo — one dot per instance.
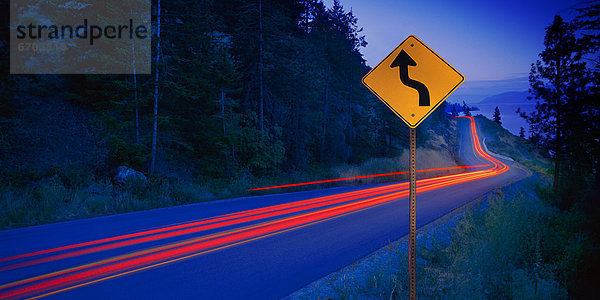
[261, 247]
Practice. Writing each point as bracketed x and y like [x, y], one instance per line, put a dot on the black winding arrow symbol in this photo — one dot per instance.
[403, 60]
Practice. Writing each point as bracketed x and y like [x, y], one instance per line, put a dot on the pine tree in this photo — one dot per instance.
[455, 107]
[210, 110]
[554, 82]
[587, 23]
[522, 132]
[466, 109]
[497, 116]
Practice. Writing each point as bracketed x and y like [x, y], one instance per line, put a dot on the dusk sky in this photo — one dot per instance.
[484, 40]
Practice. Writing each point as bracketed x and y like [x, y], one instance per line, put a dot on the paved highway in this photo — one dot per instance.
[261, 247]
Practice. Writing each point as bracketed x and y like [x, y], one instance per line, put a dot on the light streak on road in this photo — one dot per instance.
[199, 237]
[365, 176]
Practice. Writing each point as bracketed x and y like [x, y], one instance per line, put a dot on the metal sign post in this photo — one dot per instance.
[412, 248]
[413, 81]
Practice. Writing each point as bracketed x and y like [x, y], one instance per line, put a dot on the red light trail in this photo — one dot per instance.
[199, 237]
[365, 176]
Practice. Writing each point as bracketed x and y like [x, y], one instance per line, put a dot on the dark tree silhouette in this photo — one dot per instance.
[587, 24]
[497, 117]
[522, 132]
[466, 109]
[554, 83]
[455, 109]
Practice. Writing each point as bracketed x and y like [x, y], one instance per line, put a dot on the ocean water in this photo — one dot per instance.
[509, 118]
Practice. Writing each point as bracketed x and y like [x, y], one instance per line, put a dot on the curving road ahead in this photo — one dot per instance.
[254, 247]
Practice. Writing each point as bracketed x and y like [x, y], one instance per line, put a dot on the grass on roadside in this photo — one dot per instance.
[51, 200]
[513, 244]
[32, 196]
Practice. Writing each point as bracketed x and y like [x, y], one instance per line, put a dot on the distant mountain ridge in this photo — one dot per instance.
[476, 91]
[508, 97]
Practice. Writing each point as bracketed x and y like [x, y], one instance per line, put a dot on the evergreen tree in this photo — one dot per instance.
[466, 109]
[556, 82]
[216, 112]
[522, 132]
[587, 24]
[497, 116]
[455, 107]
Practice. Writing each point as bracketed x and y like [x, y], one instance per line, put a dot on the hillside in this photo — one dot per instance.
[475, 91]
[500, 140]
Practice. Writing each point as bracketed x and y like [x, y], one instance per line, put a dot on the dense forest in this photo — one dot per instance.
[242, 94]
[239, 86]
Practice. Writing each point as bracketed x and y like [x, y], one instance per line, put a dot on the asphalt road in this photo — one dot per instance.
[261, 247]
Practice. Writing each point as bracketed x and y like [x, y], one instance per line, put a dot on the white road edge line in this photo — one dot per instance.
[485, 148]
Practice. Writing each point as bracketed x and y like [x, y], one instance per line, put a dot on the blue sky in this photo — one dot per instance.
[484, 40]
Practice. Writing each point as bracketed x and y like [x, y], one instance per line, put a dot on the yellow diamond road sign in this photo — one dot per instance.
[413, 81]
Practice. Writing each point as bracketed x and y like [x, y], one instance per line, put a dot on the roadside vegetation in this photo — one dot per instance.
[34, 195]
[246, 96]
[512, 243]
[57, 167]
[501, 141]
